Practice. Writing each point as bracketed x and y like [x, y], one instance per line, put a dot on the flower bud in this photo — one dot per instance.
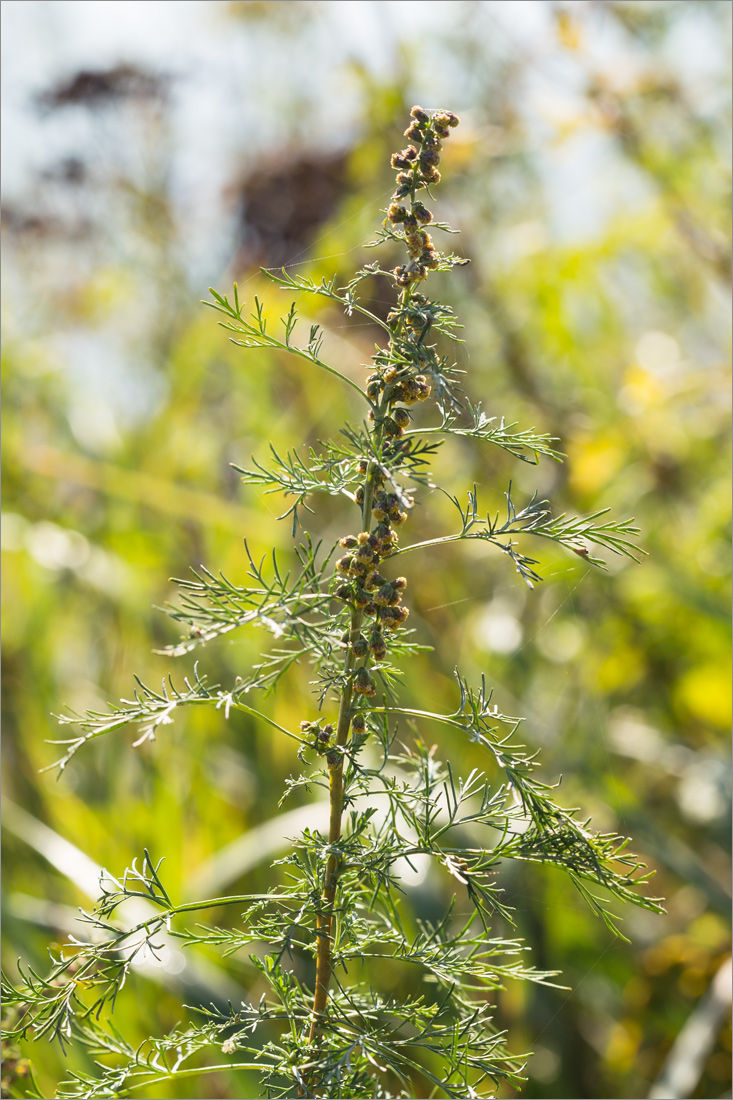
[363, 682]
[344, 564]
[401, 417]
[377, 644]
[392, 617]
[359, 647]
[358, 723]
[396, 213]
[421, 213]
[349, 542]
[445, 118]
[423, 387]
[343, 592]
[383, 598]
[361, 599]
[420, 114]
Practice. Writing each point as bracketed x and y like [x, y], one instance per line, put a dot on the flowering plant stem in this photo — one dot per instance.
[332, 1033]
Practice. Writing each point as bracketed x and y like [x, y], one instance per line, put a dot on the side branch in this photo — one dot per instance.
[257, 336]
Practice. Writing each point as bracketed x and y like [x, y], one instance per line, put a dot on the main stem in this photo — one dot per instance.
[328, 897]
[324, 965]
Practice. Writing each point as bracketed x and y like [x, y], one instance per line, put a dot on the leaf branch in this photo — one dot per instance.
[256, 335]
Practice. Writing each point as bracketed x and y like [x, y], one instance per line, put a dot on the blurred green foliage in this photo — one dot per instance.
[124, 405]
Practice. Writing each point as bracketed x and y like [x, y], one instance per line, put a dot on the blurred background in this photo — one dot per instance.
[154, 149]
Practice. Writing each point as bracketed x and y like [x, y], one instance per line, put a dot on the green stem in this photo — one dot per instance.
[324, 965]
[336, 784]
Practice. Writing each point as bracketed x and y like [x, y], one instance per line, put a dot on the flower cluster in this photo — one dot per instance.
[369, 593]
[322, 735]
[398, 381]
[417, 168]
